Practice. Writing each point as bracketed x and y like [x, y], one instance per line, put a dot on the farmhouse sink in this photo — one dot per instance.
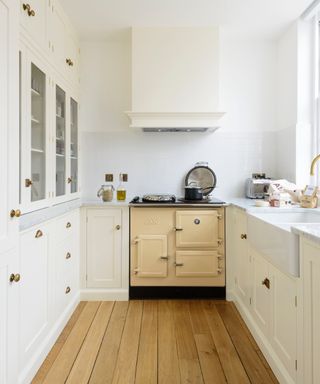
[271, 235]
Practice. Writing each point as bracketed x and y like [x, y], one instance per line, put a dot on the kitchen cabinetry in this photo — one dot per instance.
[35, 296]
[48, 136]
[105, 252]
[177, 247]
[49, 288]
[241, 257]
[310, 278]
[9, 195]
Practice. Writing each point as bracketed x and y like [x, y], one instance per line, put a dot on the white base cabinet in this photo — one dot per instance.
[48, 290]
[310, 312]
[105, 253]
[266, 299]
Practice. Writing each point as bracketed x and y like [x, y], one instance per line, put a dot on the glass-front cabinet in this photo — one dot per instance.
[49, 147]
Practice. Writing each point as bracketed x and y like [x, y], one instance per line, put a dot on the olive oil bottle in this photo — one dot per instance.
[121, 190]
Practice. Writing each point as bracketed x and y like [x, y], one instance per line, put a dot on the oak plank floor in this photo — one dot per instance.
[155, 342]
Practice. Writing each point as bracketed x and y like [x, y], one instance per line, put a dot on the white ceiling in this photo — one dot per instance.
[104, 19]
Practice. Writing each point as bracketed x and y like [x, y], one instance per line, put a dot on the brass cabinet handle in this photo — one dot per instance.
[69, 180]
[68, 255]
[243, 236]
[28, 183]
[220, 241]
[38, 234]
[118, 227]
[68, 289]
[27, 7]
[68, 225]
[178, 229]
[15, 213]
[14, 277]
[179, 264]
[266, 282]
[69, 62]
[164, 257]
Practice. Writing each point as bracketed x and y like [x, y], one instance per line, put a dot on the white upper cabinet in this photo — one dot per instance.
[33, 18]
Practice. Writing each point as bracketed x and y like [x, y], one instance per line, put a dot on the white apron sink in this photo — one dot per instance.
[271, 235]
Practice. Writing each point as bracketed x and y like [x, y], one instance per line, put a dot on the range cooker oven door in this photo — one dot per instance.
[197, 229]
[198, 263]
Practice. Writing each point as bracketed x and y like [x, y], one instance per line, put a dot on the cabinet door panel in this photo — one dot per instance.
[34, 19]
[284, 318]
[151, 253]
[261, 299]
[34, 293]
[197, 229]
[103, 248]
[197, 264]
[57, 34]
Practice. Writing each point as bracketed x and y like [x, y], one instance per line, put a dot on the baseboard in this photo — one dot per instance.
[104, 295]
[141, 292]
[32, 368]
[275, 363]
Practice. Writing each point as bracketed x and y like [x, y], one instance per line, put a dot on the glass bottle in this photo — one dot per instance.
[121, 190]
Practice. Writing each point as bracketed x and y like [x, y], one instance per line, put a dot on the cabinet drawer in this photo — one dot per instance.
[65, 226]
[198, 264]
[198, 229]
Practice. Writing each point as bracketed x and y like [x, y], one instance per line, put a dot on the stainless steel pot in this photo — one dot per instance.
[193, 192]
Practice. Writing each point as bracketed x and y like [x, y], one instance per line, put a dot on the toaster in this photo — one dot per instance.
[257, 186]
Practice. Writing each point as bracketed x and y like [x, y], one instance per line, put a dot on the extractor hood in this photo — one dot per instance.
[175, 80]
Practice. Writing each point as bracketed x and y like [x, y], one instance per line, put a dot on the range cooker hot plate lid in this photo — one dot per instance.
[158, 198]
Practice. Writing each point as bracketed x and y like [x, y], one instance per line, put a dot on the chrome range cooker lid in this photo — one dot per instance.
[160, 198]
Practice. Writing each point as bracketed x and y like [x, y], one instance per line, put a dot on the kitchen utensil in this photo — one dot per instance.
[201, 176]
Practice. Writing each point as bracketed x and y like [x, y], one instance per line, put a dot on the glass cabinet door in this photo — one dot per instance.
[37, 182]
[60, 142]
[73, 179]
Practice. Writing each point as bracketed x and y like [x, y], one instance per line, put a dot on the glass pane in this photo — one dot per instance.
[60, 142]
[20, 127]
[38, 134]
[74, 145]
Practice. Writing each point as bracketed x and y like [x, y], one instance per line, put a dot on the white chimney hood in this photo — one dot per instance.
[175, 80]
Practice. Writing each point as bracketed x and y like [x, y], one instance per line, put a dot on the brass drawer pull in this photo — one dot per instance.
[68, 255]
[38, 234]
[179, 264]
[15, 213]
[118, 227]
[68, 225]
[178, 229]
[164, 257]
[68, 289]
[14, 277]
[266, 282]
[69, 62]
[243, 236]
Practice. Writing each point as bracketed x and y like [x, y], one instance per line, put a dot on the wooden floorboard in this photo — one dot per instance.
[155, 342]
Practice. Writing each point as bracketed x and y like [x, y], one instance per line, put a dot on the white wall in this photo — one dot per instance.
[158, 162]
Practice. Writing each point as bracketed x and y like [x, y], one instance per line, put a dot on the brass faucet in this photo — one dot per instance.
[313, 164]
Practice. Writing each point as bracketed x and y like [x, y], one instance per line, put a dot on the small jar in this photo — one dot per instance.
[106, 192]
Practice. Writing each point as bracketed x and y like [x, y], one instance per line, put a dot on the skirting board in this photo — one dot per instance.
[276, 365]
[104, 295]
[32, 368]
[141, 292]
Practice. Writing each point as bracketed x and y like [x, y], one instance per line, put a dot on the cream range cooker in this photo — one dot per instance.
[177, 248]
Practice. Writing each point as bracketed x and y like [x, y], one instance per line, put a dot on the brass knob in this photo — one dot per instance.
[118, 227]
[28, 183]
[69, 62]
[15, 213]
[68, 289]
[69, 180]
[68, 255]
[68, 225]
[14, 277]
[38, 234]
[243, 236]
[266, 282]
[27, 7]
